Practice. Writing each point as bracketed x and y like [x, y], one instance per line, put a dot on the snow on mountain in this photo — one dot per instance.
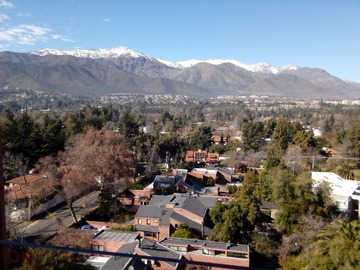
[94, 54]
[260, 67]
[124, 51]
[170, 64]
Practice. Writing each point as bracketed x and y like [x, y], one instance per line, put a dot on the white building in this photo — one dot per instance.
[345, 193]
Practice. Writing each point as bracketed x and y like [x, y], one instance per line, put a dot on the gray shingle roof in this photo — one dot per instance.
[155, 249]
[145, 228]
[116, 236]
[209, 202]
[160, 200]
[119, 262]
[195, 206]
[192, 224]
[165, 218]
[149, 211]
[269, 205]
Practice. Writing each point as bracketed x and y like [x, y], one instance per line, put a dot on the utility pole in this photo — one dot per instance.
[3, 247]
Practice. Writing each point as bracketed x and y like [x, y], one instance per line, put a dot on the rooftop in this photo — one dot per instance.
[116, 236]
[205, 243]
[339, 185]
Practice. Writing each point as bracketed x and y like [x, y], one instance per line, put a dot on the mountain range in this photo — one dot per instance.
[123, 70]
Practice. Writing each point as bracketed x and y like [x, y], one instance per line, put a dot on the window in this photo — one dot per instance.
[148, 221]
[237, 255]
[98, 247]
[179, 248]
[139, 220]
[209, 251]
[150, 234]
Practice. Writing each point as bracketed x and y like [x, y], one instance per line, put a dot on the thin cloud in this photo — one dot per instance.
[62, 38]
[3, 17]
[6, 4]
[22, 14]
[25, 34]
[106, 20]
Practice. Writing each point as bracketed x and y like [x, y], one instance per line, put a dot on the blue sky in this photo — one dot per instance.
[307, 33]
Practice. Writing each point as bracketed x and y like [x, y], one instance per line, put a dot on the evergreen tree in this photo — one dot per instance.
[253, 134]
[201, 138]
[128, 126]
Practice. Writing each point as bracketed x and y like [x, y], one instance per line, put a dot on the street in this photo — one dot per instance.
[39, 230]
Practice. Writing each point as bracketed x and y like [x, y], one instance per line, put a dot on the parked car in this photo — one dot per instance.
[88, 227]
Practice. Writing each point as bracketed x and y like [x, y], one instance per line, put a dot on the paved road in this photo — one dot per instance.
[40, 230]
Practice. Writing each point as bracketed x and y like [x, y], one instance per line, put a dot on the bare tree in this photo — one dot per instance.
[91, 161]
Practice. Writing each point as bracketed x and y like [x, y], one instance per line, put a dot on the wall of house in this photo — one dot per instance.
[108, 246]
[164, 232]
[147, 221]
[221, 260]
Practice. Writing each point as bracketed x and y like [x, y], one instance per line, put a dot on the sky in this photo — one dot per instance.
[321, 34]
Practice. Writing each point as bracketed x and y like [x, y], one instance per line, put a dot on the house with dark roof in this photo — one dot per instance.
[176, 253]
[230, 254]
[163, 214]
[148, 248]
[136, 196]
[111, 240]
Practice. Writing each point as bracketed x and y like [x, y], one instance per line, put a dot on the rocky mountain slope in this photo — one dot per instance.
[122, 70]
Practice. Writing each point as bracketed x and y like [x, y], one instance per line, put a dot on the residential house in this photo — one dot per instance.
[163, 214]
[201, 156]
[269, 208]
[176, 253]
[220, 139]
[20, 195]
[149, 250]
[136, 196]
[345, 193]
[111, 240]
[200, 176]
[229, 254]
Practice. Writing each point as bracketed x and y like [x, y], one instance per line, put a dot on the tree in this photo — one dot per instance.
[183, 231]
[329, 123]
[201, 138]
[128, 127]
[103, 155]
[353, 138]
[283, 134]
[334, 246]
[235, 220]
[338, 246]
[94, 160]
[248, 197]
[253, 134]
[64, 179]
[303, 140]
[234, 225]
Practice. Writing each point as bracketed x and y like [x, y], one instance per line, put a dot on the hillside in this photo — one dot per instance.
[122, 70]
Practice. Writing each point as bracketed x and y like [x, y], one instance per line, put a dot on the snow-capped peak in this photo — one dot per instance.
[260, 67]
[170, 64]
[94, 54]
[124, 51]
